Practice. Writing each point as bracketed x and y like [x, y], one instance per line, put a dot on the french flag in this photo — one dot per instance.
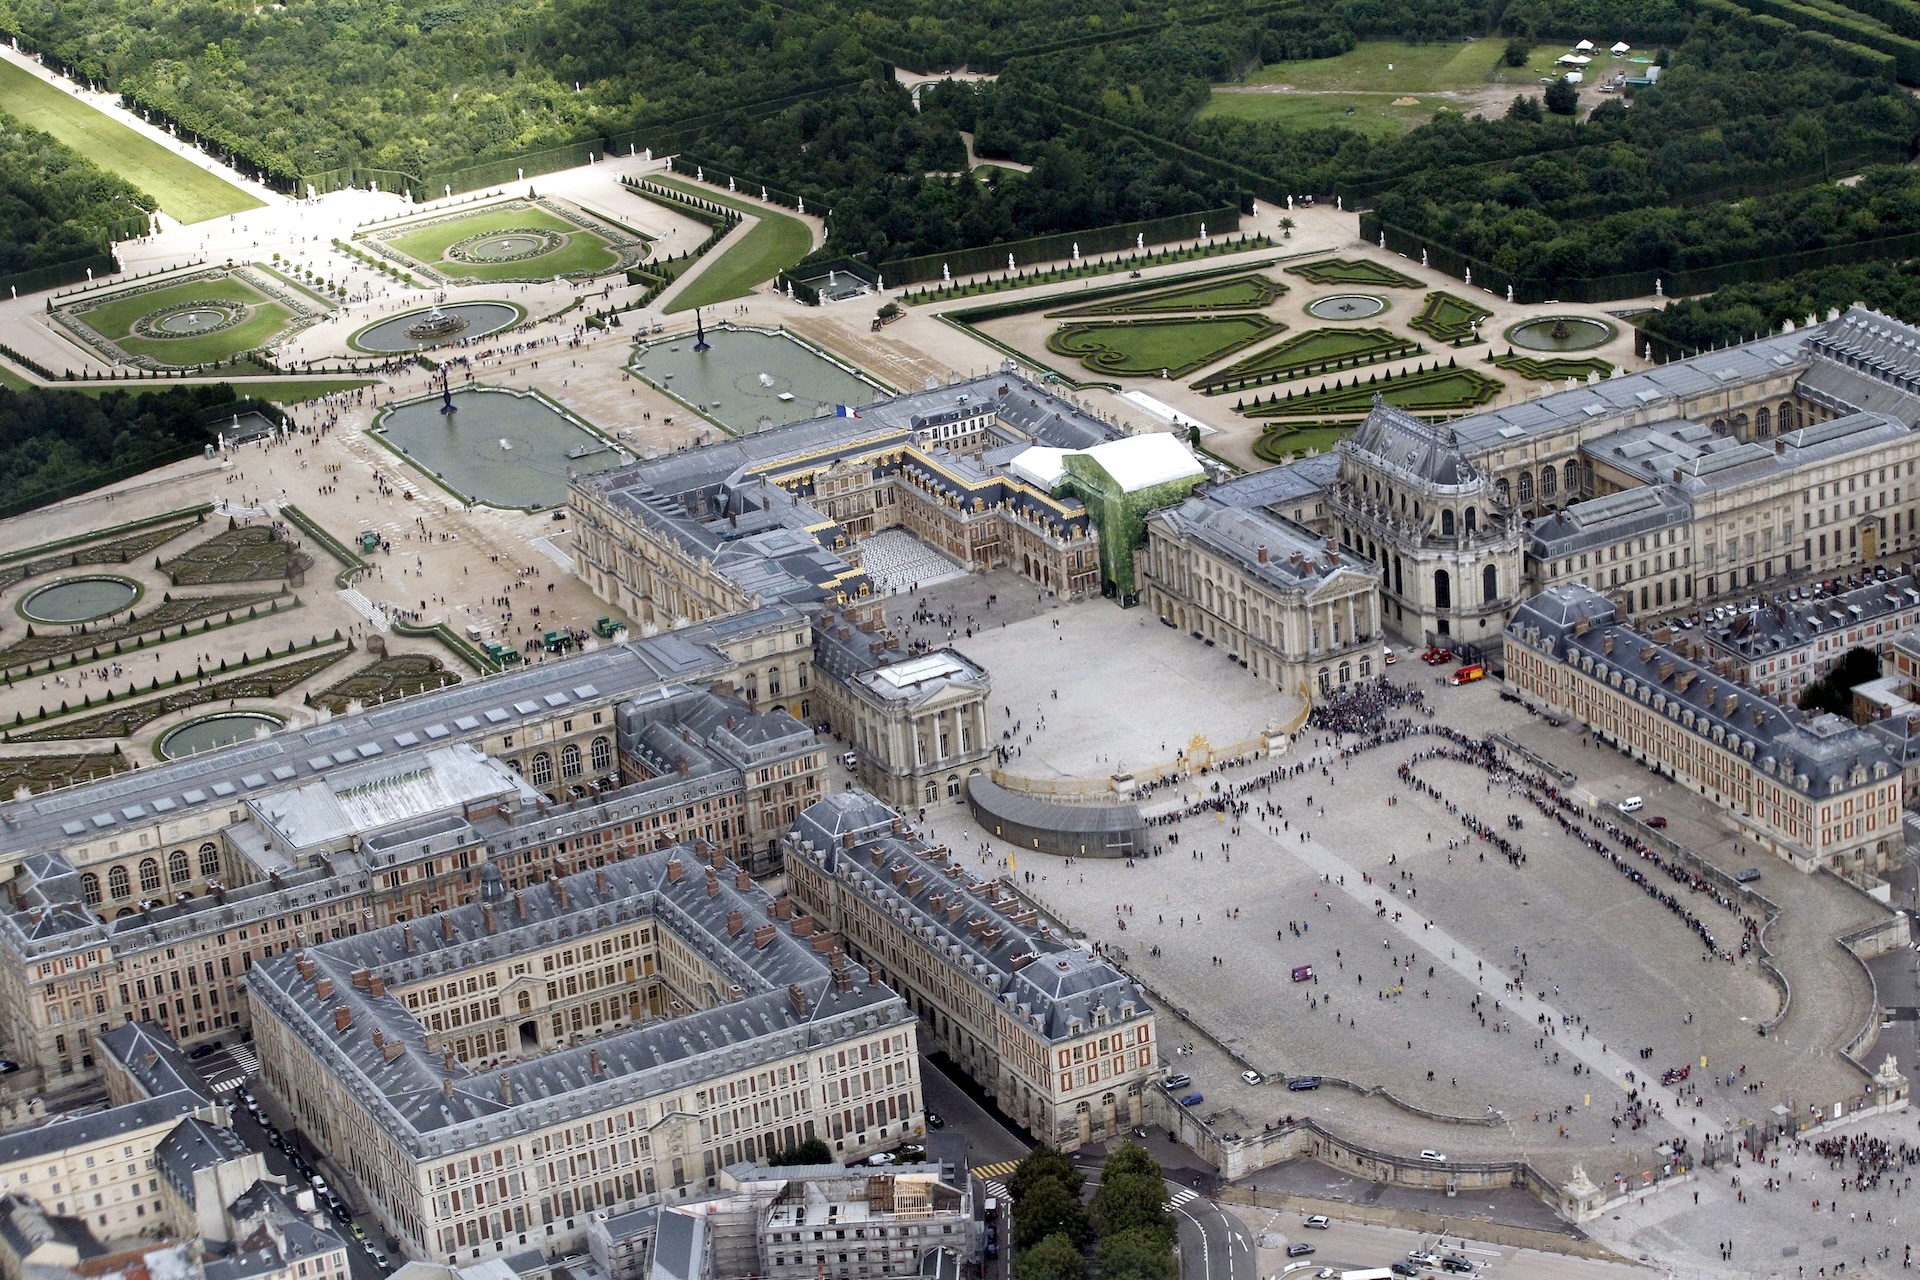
[842, 411]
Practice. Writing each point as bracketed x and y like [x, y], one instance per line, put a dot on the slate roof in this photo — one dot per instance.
[194, 1145]
[1020, 961]
[1429, 454]
[99, 1126]
[1296, 561]
[1605, 521]
[431, 1111]
[1816, 757]
[147, 1051]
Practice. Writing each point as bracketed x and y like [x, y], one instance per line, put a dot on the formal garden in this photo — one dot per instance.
[1443, 389]
[202, 318]
[1314, 351]
[123, 714]
[397, 675]
[34, 561]
[1360, 272]
[517, 240]
[1552, 368]
[1248, 292]
[1149, 347]
[39, 773]
[170, 619]
[252, 553]
[1284, 442]
[1450, 318]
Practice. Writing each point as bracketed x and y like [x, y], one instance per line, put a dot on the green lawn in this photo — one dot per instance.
[1436, 390]
[763, 253]
[1142, 348]
[1313, 351]
[1236, 293]
[1448, 318]
[114, 318]
[1361, 271]
[1356, 90]
[581, 253]
[12, 380]
[1552, 368]
[185, 190]
[1276, 442]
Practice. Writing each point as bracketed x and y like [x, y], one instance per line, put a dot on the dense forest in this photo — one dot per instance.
[55, 206]
[55, 442]
[1726, 160]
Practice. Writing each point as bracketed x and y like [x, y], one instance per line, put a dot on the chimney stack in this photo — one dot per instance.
[506, 1089]
[735, 923]
[305, 966]
[763, 935]
[519, 904]
[1260, 553]
[486, 913]
[560, 892]
[593, 1062]
[446, 927]
[342, 1019]
[377, 986]
[406, 937]
[600, 880]
[675, 870]
[324, 988]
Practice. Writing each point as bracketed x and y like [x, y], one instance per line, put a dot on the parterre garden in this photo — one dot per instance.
[1235, 293]
[519, 240]
[1449, 318]
[187, 321]
[397, 675]
[247, 554]
[1310, 352]
[1551, 368]
[140, 629]
[1353, 271]
[1146, 347]
[1442, 389]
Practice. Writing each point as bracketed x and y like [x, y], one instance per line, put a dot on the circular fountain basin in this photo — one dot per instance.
[73, 600]
[1561, 333]
[210, 732]
[390, 336]
[1347, 306]
[184, 323]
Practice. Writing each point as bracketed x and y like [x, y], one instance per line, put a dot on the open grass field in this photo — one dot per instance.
[763, 253]
[185, 190]
[1236, 293]
[12, 381]
[1302, 354]
[580, 252]
[1357, 90]
[114, 320]
[1143, 348]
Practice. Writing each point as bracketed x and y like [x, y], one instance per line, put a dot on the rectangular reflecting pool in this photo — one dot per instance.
[751, 379]
[503, 448]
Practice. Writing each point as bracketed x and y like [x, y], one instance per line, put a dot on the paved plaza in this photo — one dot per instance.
[1097, 690]
[1520, 994]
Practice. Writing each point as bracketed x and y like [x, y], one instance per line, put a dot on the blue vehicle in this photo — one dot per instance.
[1192, 1100]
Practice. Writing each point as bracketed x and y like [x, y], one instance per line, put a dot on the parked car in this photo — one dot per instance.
[1318, 1222]
[1632, 804]
[935, 1120]
[1432, 1157]
[1468, 674]
[1299, 1250]
[1193, 1100]
[1300, 1084]
[1435, 656]
[1253, 1077]
[1748, 875]
[1657, 822]
[1457, 1264]
[204, 1050]
[1388, 656]
[1404, 1269]
[1178, 1080]
[881, 1157]
[1421, 1258]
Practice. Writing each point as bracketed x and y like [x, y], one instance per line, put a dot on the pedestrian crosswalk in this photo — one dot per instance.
[246, 1064]
[1183, 1196]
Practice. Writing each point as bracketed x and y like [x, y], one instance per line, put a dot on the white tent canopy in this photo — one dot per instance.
[1621, 47]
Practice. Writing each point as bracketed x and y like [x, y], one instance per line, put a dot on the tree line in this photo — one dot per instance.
[55, 205]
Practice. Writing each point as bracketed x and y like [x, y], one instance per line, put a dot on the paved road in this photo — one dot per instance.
[1214, 1244]
[226, 1075]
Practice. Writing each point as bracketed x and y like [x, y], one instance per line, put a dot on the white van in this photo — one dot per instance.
[1632, 804]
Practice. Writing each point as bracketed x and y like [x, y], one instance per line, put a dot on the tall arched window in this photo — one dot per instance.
[773, 682]
[1789, 416]
[1473, 519]
[1346, 672]
[602, 755]
[1489, 585]
[1762, 423]
[1526, 488]
[178, 870]
[1504, 493]
[1549, 481]
[1446, 522]
[1442, 589]
[542, 769]
[117, 883]
[209, 859]
[570, 761]
[90, 888]
[149, 875]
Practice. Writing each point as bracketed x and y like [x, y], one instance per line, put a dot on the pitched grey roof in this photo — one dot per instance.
[1790, 624]
[1428, 454]
[1604, 521]
[1574, 623]
[784, 998]
[60, 1135]
[193, 1145]
[1262, 546]
[149, 1055]
[1000, 946]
